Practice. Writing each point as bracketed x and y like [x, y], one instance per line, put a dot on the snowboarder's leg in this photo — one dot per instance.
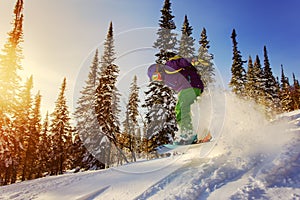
[183, 113]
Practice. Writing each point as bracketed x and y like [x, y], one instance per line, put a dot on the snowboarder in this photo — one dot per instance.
[180, 75]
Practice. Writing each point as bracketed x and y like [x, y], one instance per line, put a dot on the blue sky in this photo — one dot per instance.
[60, 37]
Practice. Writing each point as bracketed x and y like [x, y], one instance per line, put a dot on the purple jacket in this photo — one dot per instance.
[178, 74]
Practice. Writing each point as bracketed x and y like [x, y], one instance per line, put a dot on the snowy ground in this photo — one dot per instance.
[250, 158]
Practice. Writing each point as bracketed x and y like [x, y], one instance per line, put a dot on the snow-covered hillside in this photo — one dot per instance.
[250, 158]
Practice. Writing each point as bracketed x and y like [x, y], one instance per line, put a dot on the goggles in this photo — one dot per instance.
[156, 76]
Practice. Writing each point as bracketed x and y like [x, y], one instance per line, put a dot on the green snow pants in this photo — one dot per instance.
[186, 98]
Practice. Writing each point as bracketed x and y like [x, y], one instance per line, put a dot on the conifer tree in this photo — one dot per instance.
[160, 117]
[81, 158]
[109, 55]
[250, 80]
[6, 147]
[61, 133]
[295, 93]
[166, 41]
[31, 153]
[186, 43]
[44, 148]
[87, 125]
[204, 61]
[270, 89]
[10, 64]
[107, 59]
[22, 130]
[285, 93]
[237, 82]
[103, 107]
[131, 121]
[258, 91]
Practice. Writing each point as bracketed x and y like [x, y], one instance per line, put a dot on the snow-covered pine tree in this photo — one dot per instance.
[237, 82]
[166, 40]
[6, 147]
[22, 130]
[44, 149]
[77, 153]
[81, 158]
[160, 118]
[278, 103]
[295, 93]
[61, 134]
[258, 81]
[87, 125]
[186, 43]
[10, 64]
[272, 101]
[31, 156]
[133, 104]
[285, 92]
[204, 61]
[103, 107]
[109, 55]
[250, 80]
[279, 110]
[131, 121]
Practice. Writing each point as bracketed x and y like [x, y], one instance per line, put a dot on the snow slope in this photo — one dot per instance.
[250, 158]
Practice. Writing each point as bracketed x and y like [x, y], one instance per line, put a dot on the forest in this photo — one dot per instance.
[34, 146]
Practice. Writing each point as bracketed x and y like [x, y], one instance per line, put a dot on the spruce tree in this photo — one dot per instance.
[279, 103]
[166, 41]
[107, 59]
[186, 43]
[131, 120]
[285, 92]
[237, 82]
[81, 158]
[270, 89]
[22, 130]
[250, 80]
[44, 148]
[109, 55]
[204, 61]
[10, 64]
[87, 125]
[31, 152]
[295, 93]
[61, 134]
[6, 148]
[258, 91]
[103, 107]
[160, 117]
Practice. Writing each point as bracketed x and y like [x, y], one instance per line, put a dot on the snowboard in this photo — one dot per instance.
[181, 148]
